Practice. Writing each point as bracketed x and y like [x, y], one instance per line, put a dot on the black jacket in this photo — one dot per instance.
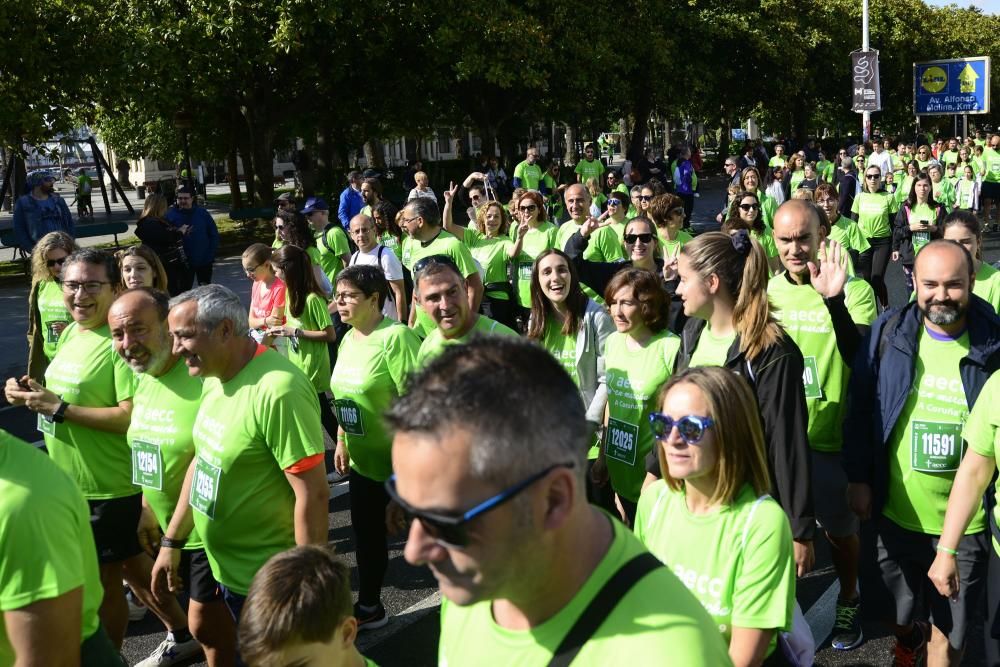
[881, 380]
[776, 379]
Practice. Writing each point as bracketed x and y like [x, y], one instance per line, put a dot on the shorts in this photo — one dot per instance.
[829, 489]
[989, 190]
[197, 575]
[904, 557]
[114, 522]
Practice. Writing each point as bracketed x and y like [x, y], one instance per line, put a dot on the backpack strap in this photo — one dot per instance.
[601, 606]
[354, 258]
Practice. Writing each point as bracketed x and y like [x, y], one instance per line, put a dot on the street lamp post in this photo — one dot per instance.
[183, 121]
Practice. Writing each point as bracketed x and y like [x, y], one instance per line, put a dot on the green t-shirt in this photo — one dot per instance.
[797, 177]
[988, 285]
[944, 194]
[393, 244]
[370, 374]
[673, 248]
[873, 210]
[949, 157]
[52, 313]
[766, 239]
[332, 245]
[603, 246]
[777, 161]
[311, 356]
[806, 318]
[493, 254]
[561, 346]
[926, 446]
[159, 435]
[824, 169]
[248, 431]
[634, 378]
[442, 244]
[919, 213]
[535, 242]
[847, 233]
[87, 372]
[743, 569]
[657, 617]
[529, 174]
[991, 165]
[711, 350]
[46, 543]
[982, 428]
[903, 191]
[435, 342]
[619, 230]
[589, 169]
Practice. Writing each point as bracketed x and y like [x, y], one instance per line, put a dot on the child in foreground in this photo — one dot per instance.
[299, 612]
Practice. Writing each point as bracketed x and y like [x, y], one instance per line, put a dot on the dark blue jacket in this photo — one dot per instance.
[34, 219]
[881, 382]
[202, 240]
[351, 203]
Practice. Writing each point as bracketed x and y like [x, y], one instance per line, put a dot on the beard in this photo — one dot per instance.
[943, 313]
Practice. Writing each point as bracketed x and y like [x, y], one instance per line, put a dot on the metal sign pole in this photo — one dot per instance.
[866, 116]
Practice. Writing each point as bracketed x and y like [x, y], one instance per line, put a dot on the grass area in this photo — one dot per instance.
[225, 199]
[234, 237]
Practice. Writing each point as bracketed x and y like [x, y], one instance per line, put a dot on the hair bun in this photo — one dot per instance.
[741, 242]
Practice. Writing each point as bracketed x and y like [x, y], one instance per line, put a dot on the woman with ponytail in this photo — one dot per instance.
[723, 284]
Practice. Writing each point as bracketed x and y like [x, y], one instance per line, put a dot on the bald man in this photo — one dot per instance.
[827, 313]
[916, 378]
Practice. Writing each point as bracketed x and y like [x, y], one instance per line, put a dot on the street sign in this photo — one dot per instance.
[957, 86]
[865, 93]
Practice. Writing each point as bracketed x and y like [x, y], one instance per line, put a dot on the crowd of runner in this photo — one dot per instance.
[605, 436]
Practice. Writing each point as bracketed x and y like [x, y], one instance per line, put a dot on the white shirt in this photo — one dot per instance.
[417, 192]
[390, 266]
[882, 160]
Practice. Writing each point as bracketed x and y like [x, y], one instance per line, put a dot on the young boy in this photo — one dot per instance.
[299, 612]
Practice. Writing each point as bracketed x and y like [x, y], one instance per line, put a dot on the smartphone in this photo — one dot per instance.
[24, 385]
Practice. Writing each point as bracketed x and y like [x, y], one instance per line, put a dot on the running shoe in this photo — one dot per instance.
[136, 609]
[847, 632]
[171, 652]
[371, 619]
[913, 656]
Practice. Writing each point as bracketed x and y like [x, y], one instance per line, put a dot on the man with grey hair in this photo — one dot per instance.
[495, 493]
[425, 237]
[257, 483]
[351, 200]
[913, 383]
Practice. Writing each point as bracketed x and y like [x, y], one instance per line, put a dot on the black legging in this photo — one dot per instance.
[501, 310]
[874, 262]
[368, 502]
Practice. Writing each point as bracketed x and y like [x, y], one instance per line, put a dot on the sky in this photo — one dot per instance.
[988, 6]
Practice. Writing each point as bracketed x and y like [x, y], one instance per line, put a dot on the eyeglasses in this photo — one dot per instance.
[425, 262]
[691, 428]
[527, 209]
[90, 287]
[729, 164]
[251, 270]
[407, 221]
[348, 297]
[632, 238]
[614, 202]
[452, 529]
[52, 262]
[645, 197]
[749, 207]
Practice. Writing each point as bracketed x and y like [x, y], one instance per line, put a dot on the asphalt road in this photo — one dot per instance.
[410, 593]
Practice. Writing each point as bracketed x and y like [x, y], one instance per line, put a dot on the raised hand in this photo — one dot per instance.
[829, 278]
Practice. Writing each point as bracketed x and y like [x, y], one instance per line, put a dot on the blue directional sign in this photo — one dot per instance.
[957, 86]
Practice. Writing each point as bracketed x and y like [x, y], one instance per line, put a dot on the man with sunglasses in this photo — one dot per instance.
[83, 411]
[420, 219]
[732, 170]
[440, 291]
[40, 211]
[498, 511]
[913, 384]
[826, 313]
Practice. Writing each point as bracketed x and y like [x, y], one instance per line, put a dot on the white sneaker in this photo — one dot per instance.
[136, 609]
[170, 652]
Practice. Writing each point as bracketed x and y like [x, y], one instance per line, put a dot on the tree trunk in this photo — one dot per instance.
[232, 168]
[263, 162]
[487, 139]
[245, 152]
[569, 157]
[374, 154]
[641, 109]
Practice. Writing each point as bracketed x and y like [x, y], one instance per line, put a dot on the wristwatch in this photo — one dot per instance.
[59, 416]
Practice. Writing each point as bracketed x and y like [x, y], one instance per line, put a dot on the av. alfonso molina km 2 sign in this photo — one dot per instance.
[957, 86]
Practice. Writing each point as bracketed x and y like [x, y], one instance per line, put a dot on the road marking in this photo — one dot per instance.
[338, 490]
[399, 622]
[820, 615]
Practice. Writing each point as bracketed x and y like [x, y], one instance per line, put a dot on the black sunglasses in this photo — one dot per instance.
[452, 529]
[424, 262]
[632, 238]
[645, 197]
[527, 209]
[873, 177]
[749, 207]
[52, 262]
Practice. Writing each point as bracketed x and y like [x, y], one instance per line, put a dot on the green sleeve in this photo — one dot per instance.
[519, 171]
[338, 243]
[579, 168]
[981, 427]
[401, 356]
[463, 259]
[609, 245]
[860, 301]
[470, 236]
[764, 589]
[125, 379]
[43, 558]
[316, 316]
[291, 421]
[856, 206]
